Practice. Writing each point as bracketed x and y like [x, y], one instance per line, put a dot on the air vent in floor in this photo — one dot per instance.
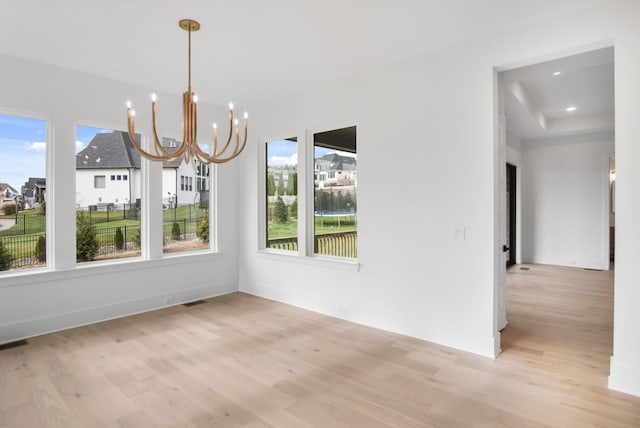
[197, 302]
[15, 344]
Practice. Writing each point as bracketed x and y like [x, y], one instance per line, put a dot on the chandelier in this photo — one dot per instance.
[189, 149]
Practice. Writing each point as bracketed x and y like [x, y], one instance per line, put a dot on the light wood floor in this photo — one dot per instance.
[239, 360]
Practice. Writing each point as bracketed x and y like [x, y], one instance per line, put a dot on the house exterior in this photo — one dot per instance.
[34, 191]
[333, 169]
[108, 172]
[7, 193]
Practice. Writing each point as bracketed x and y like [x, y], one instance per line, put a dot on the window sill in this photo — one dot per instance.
[321, 261]
[106, 267]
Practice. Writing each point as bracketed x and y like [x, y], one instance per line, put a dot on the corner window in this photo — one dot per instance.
[23, 191]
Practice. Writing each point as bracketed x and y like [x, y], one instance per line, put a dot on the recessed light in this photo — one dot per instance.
[571, 108]
[557, 73]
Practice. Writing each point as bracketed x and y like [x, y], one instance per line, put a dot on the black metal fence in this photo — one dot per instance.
[27, 223]
[22, 251]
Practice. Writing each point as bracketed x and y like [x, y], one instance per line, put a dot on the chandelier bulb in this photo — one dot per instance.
[195, 98]
[215, 126]
[235, 122]
[246, 115]
[128, 104]
[230, 106]
[154, 97]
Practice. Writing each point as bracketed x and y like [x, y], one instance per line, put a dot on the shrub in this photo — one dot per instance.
[9, 208]
[5, 257]
[293, 208]
[281, 211]
[86, 239]
[202, 229]
[42, 208]
[119, 239]
[175, 231]
[137, 238]
[41, 249]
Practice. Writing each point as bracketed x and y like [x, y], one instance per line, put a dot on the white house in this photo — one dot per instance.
[108, 172]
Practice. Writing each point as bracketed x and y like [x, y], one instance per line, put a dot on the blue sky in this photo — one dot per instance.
[285, 152]
[23, 148]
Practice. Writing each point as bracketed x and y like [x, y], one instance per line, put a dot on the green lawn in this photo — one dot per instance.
[322, 226]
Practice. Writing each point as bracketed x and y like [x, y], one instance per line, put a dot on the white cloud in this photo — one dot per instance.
[284, 160]
[37, 146]
[79, 146]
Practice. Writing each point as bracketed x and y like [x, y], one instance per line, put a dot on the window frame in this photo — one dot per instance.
[306, 229]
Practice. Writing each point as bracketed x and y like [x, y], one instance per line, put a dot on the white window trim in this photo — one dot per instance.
[305, 253]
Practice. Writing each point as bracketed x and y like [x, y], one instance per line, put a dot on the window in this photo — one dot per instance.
[23, 191]
[108, 223]
[99, 182]
[335, 207]
[281, 202]
[185, 212]
[125, 177]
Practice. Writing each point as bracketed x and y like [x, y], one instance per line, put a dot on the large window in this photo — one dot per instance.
[23, 190]
[185, 208]
[107, 211]
[282, 194]
[335, 192]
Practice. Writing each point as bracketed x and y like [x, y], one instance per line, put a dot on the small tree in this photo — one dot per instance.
[5, 257]
[41, 249]
[281, 185]
[271, 185]
[202, 229]
[281, 211]
[86, 239]
[293, 208]
[42, 208]
[175, 231]
[137, 238]
[119, 239]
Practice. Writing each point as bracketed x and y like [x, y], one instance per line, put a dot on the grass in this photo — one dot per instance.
[322, 226]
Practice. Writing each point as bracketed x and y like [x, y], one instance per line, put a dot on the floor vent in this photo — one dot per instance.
[524, 268]
[194, 303]
[13, 344]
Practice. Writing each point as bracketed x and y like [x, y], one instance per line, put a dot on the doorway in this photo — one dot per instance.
[554, 124]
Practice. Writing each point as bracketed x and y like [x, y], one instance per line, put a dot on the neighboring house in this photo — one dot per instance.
[34, 192]
[108, 172]
[7, 193]
[333, 170]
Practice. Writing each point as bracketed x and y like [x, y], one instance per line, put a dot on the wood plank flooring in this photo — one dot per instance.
[239, 360]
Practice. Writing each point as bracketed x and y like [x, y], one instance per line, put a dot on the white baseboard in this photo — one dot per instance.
[624, 379]
[27, 328]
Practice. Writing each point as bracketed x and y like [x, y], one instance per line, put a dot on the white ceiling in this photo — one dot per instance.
[536, 99]
[250, 51]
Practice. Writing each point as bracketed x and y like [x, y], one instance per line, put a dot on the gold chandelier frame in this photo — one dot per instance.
[189, 149]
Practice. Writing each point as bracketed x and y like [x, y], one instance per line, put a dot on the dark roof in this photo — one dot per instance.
[338, 162]
[27, 188]
[112, 150]
[115, 150]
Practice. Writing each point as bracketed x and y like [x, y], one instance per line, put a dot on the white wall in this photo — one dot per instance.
[36, 302]
[430, 121]
[566, 201]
